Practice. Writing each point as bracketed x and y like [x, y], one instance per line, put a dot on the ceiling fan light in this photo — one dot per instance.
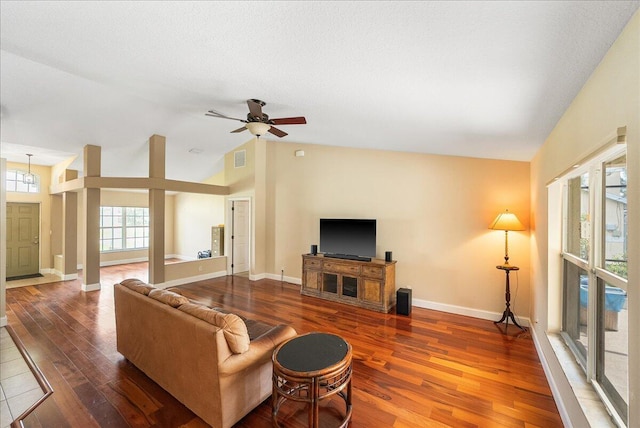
[258, 128]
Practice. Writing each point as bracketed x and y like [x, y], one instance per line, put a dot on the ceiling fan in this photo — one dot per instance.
[258, 123]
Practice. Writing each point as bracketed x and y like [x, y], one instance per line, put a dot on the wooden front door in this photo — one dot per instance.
[23, 239]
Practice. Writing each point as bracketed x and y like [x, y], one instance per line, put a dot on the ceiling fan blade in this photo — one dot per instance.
[300, 120]
[277, 132]
[244, 128]
[214, 113]
[255, 107]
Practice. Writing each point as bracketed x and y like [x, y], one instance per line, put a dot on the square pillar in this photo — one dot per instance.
[156, 211]
[70, 235]
[91, 205]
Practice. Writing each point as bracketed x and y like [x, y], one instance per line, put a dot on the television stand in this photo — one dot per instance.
[348, 257]
[366, 284]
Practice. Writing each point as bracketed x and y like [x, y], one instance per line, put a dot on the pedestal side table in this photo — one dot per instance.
[309, 368]
[507, 314]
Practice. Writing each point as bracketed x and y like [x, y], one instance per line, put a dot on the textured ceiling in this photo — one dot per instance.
[480, 79]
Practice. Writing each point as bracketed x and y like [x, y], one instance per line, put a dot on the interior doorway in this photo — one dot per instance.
[23, 240]
[240, 235]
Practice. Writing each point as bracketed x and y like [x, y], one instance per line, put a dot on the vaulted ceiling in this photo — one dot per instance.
[480, 79]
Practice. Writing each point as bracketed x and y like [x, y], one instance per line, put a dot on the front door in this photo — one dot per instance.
[23, 239]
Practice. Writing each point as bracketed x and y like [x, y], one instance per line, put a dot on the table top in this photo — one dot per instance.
[312, 352]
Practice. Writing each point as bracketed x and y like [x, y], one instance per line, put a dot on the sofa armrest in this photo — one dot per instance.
[260, 350]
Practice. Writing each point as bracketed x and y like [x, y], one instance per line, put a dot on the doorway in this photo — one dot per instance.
[23, 240]
[240, 234]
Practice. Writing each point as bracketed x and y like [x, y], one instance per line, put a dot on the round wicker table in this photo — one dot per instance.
[309, 368]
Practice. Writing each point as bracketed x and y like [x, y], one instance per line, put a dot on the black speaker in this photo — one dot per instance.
[403, 301]
[314, 250]
[387, 256]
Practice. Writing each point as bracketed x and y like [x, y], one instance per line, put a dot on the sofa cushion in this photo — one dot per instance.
[233, 328]
[134, 284]
[168, 297]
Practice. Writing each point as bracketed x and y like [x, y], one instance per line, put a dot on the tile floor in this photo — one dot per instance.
[19, 389]
[46, 279]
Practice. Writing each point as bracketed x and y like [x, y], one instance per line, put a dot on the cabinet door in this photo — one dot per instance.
[372, 290]
[330, 283]
[312, 279]
[350, 286]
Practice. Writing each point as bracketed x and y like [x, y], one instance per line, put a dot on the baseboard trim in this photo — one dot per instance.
[461, 310]
[3, 321]
[91, 287]
[419, 303]
[258, 277]
[187, 280]
[289, 279]
[63, 277]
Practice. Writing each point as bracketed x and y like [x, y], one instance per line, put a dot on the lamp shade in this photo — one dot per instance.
[506, 221]
[258, 128]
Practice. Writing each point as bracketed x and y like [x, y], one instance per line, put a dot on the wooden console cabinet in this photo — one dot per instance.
[370, 285]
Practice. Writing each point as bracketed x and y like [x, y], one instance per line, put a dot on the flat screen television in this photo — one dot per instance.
[348, 238]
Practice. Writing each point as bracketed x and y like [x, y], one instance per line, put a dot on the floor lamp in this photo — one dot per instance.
[507, 221]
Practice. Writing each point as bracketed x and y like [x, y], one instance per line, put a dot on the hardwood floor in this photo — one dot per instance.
[430, 369]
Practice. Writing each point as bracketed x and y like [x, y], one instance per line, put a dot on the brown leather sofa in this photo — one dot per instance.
[208, 360]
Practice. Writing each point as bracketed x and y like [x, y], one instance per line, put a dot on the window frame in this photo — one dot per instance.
[128, 223]
[592, 359]
[12, 184]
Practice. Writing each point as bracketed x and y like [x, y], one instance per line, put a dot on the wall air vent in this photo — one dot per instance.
[239, 158]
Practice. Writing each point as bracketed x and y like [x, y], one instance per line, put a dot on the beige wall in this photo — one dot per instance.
[242, 184]
[57, 224]
[432, 212]
[3, 244]
[194, 270]
[610, 99]
[195, 214]
[241, 180]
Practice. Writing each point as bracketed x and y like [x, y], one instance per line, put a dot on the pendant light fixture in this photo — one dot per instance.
[28, 177]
